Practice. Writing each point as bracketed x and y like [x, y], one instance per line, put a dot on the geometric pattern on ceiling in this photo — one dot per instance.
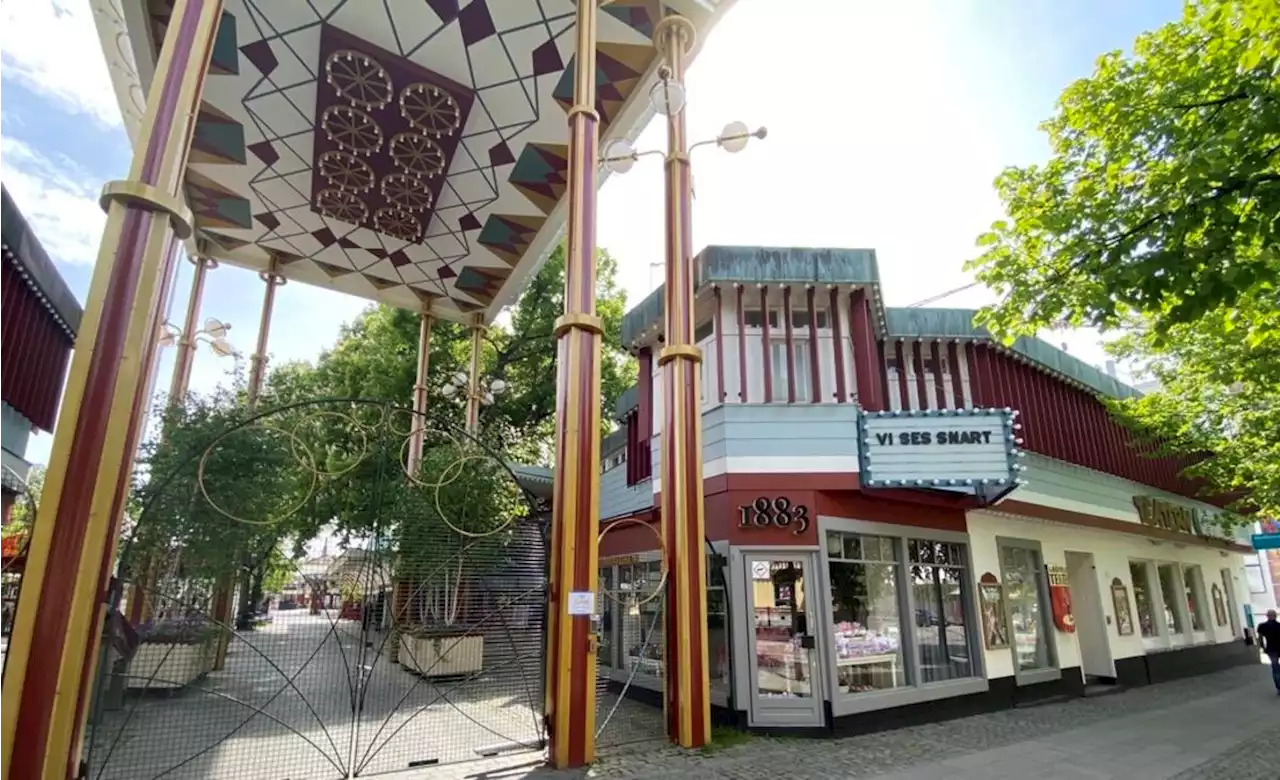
[327, 140]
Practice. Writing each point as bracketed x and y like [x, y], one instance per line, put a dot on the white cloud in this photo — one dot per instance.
[58, 198]
[52, 48]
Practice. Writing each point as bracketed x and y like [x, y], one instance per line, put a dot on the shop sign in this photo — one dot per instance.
[1158, 513]
[778, 512]
[940, 448]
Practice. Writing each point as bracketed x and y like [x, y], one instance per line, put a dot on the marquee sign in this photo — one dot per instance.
[976, 448]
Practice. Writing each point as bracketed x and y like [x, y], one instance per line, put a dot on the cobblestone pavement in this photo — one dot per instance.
[1224, 725]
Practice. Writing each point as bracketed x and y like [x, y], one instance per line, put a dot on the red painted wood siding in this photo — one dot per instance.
[639, 423]
[1065, 422]
[36, 352]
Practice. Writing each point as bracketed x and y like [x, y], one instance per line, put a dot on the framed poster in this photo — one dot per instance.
[995, 613]
[1120, 600]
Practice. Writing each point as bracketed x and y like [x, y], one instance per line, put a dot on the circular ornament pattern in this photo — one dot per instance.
[346, 171]
[430, 109]
[416, 155]
[405, 192]
[343, 205]
[352, 129]
[397, 223]
[358, 79]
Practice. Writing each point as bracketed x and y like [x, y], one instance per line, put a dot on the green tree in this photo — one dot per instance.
[1158, 215]
[376, 358]
[24, 508]
[1162, 194]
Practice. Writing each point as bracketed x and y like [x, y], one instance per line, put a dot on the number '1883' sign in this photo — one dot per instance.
[778, 512]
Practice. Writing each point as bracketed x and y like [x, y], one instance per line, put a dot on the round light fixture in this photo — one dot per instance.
[216, 328]
[497, 386]
[619, 156]
[449, 390]
[667, 95]
[222, 348]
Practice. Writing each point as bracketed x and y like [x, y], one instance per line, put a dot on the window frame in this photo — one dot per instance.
[913, 691]
[1047, 629]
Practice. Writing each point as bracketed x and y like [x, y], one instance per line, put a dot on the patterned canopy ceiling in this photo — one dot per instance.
[408, 151]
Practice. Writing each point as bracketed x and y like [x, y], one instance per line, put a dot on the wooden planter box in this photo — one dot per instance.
[159, 666]
[442, 656]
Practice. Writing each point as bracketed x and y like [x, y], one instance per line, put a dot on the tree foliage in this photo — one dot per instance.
[1162, 194]
[1158, 214]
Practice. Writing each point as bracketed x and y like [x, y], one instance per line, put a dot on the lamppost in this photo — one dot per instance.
[484, 393]
[214, 333]
[682, 512]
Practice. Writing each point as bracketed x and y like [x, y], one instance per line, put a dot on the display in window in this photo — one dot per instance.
[1120, 602]
[1219, 606]
[995, 613]
[1169, 595]
[867, 631]
[1060, 598]
[1021, 573]
[781, 642]
[1142, 598]
[1195, 609]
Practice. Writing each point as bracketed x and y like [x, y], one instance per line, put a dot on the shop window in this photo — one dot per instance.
[800, 318]
[1195, 603]
[778, 358]
[1170, 591]
[866, 609]
[606, 610]
[1142, 597]
[939, 584]
[717, 626]
[1023, 574]
[755, 319]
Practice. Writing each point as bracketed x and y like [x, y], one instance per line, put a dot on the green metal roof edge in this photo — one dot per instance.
[761, 265]
[958, 323]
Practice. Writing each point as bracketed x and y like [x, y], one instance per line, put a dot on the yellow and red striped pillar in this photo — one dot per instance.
[57, 626]
[687, 680]
[474, 393]
[575, 517]
[682, 524]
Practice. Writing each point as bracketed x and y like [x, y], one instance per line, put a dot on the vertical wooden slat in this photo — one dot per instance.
[837, 345]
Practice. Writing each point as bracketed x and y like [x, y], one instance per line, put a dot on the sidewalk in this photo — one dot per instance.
[1223, 725]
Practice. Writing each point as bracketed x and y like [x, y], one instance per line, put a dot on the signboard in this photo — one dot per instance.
[1266, 541]
[1171, 516]
[940, 448]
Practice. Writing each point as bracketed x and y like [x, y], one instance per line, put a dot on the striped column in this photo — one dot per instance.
[575, 515]
[258, 360]
[474, 393]
[60, 612]
[688, 701]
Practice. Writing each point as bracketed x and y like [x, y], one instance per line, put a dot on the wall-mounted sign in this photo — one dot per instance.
[1159, 513]
[777, 512]
[948, 448]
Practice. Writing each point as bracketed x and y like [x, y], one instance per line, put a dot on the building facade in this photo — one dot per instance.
[40, 319]
[905, 520]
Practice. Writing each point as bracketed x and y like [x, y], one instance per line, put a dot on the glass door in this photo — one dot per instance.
[782, 640]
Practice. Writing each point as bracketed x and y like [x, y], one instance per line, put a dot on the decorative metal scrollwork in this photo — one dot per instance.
[351, 129]
[346, 171]
[430, 109]
[405, 192]
[358, 79]
[416, 155]
[343, 205]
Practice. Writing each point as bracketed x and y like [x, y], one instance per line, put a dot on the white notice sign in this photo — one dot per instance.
[582, 602]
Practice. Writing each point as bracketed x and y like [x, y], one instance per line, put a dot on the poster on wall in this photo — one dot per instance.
[1060, 598]
[949, 448]
[1120, 601]
[995, 613]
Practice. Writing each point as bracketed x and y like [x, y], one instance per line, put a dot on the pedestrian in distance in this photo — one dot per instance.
[1269, 636]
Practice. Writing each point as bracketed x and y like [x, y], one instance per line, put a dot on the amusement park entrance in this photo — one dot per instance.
[419, 642]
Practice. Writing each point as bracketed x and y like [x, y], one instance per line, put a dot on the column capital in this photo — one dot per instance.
[587, 322]
[688, 34]
[673, 351]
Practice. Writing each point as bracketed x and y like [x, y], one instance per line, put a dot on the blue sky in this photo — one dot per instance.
[888, 123]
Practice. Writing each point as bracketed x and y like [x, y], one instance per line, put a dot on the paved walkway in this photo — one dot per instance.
[1224, 725]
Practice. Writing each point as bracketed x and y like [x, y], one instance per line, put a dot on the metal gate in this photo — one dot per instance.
[293, 602]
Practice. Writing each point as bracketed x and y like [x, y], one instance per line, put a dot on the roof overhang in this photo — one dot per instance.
[413, 154]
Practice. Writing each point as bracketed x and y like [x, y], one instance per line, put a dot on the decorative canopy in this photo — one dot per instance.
[413, 152]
